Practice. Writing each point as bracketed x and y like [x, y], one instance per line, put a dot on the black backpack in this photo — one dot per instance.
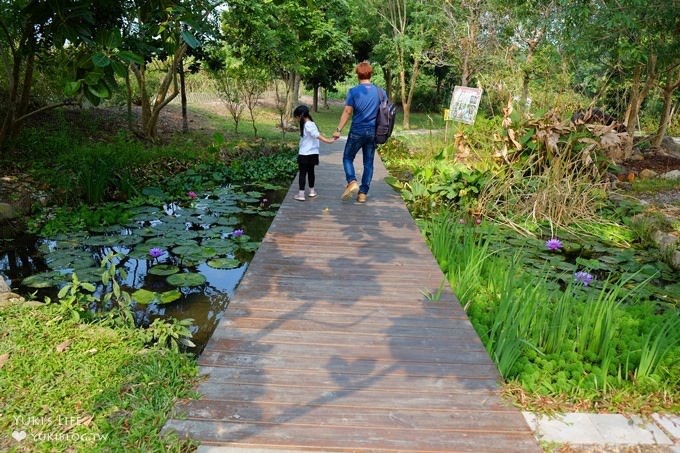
[384, 123]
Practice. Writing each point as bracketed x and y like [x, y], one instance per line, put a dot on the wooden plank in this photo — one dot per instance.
[311, 415]
[356, 365]
[340, 438]
[338, 325]
[317, 378]
[387, 341]
[333, 315]
[373, 352]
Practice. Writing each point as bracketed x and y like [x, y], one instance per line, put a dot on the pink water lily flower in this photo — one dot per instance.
[192, 195]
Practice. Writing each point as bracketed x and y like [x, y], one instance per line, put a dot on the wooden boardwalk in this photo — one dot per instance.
[330, 343]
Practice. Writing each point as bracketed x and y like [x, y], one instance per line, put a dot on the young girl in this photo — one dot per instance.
[308, 155]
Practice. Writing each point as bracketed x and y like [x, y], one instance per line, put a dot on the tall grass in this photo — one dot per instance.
[516, 312]
[514, 309]
[562, 193]
[461, 253]
[657, 344]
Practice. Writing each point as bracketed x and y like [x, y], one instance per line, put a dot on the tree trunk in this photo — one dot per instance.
[465, 76]
[151, 110]
[671, 85]
[638, 94]
[26, 86]
[315, 99]
[183, 97]
[387, 74]
[637, 97]
[13, 75]
[406, 107]
[526, 75]
[128, 85]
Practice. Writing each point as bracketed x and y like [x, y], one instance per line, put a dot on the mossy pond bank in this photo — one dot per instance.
[180, 260]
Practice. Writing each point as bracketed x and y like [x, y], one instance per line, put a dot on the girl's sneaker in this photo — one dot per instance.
[300, 196]
[312, 193]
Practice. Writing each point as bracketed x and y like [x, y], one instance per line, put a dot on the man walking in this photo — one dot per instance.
[361, 105]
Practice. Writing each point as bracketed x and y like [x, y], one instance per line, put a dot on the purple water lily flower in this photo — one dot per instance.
[192, 195]
[553, 244]
[237, 233]
[583, 277]
[156, 252]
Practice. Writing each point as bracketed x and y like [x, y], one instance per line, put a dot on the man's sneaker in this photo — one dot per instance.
[361, 198]
[300, 196]
[312, 193]
[350, 190]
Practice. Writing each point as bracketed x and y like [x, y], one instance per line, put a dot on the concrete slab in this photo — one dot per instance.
[567, 428]
[597, 429]
[670, 423]
[618, 429]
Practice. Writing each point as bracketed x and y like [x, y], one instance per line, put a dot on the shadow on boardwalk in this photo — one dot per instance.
[331, 344]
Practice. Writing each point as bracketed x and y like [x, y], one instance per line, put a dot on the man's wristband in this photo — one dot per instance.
[337, 129]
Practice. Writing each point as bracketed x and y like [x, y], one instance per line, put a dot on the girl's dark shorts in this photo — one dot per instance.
[309, 160]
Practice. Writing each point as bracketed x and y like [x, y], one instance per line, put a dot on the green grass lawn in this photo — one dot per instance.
[66, 386]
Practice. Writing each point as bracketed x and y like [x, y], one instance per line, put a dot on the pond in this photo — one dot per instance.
[181, 260]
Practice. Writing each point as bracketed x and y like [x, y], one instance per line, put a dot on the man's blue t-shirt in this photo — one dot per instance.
[364, 100]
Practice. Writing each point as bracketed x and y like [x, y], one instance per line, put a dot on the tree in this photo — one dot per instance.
[672, 77]
[290, 38]
[56, 36]
[161, 32]
[638, 40]
[239, 86]
[409, 37]
[468, 37]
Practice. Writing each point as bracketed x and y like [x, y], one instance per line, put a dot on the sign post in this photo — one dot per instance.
[464, 104]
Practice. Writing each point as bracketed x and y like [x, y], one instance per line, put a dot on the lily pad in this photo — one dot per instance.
[44, 280]
[170, 296]
[249, 246]
[145, 297]
[186, 279]
[184, 250]
[91, 274]
[164, 269]
[224, 263]
[231, 220]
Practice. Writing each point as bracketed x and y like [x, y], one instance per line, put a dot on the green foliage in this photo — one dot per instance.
[102, 384]
[75, 299]
[170, 333]
[559, 337]
[436, 184]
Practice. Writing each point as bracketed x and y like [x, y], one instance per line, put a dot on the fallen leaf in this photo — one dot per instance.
[64, 346]
[87, 420]
[3, 359]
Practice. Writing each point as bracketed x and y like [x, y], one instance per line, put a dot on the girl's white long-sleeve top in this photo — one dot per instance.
[309, 142]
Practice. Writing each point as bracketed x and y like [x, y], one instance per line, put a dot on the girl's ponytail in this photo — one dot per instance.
[303, 112]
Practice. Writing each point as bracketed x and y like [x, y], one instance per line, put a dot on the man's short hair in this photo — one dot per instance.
[364, 71]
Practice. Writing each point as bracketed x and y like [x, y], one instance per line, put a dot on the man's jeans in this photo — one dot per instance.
[366, 141]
